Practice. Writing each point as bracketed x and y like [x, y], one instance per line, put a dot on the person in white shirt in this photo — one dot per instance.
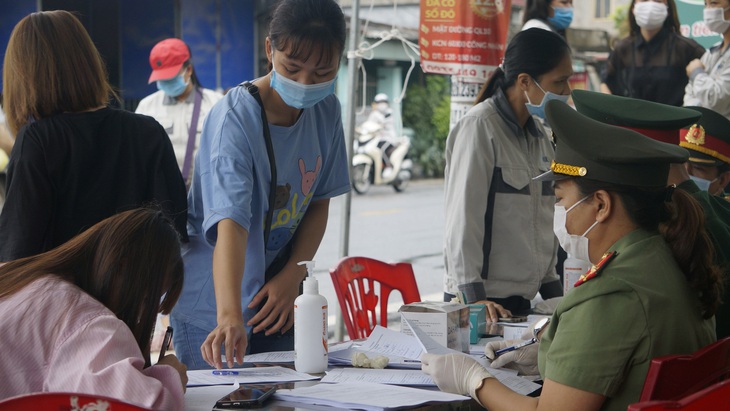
[709, 77]
[180, 95]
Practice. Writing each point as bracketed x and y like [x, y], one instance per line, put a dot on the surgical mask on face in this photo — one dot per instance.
[575, 245]
[650, 15]
[300, 95]
[382, 107]
[702, 183]
[539, 110]
[174, 86]
[715, 19]
[562, 18]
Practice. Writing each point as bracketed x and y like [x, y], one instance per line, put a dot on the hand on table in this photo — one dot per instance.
[277, 313]
[233, 335]
[494, 310]
[524, 359]
[455, 373]
[172, 361]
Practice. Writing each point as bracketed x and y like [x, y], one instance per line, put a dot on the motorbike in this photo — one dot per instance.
[368, 165]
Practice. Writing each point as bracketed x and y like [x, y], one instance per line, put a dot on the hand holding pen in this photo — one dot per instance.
[165, 343]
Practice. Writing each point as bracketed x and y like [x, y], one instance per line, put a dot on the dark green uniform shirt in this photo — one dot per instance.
[604, 332]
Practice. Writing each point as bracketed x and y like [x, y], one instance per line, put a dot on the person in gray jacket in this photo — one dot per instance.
[499, 245]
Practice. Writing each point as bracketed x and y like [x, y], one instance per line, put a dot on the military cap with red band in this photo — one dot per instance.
[661, 122]
[708, 140]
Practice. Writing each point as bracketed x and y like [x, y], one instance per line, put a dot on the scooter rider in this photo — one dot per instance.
[382, 115]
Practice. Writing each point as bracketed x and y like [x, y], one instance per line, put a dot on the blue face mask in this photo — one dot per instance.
[300, 95]
[562, 18]
[174, 86]
[539, 110]
[703, 184]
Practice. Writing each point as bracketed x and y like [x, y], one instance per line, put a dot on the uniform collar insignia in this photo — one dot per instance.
[597, 268]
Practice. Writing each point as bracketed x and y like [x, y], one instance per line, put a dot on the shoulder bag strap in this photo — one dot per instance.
[192, 133]
[272, 162]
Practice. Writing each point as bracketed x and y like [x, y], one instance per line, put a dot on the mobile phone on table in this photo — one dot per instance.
[515, 319]
[246, 396]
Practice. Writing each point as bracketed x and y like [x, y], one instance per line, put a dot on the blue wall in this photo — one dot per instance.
[142, 23]
[10, 14]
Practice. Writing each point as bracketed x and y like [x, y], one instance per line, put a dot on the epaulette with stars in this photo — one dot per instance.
[596, 268]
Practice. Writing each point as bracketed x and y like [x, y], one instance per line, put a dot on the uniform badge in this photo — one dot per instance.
[597, 268]
[695, 135]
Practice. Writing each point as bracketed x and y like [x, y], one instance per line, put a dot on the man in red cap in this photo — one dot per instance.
[181, 103]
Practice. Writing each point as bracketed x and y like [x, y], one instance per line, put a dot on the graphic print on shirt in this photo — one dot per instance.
[308, 177]
[287, 217]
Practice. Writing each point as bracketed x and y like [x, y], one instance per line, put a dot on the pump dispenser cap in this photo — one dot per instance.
[310, 285]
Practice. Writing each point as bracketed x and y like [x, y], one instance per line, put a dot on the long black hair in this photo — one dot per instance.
[534, 52]
[303, 26]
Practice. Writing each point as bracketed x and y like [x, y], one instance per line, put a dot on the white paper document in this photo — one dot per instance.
[395, 377]
[270, 357]
[246, 376]
[365, 396]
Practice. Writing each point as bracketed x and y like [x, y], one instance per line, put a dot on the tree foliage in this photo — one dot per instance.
[426, 110]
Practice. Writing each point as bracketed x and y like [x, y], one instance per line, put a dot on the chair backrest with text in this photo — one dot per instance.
[56, 401]
[357, 280]
[676, 376]
[714, 397]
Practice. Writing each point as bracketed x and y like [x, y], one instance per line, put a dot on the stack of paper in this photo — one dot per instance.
[245, 376]
[365, 396]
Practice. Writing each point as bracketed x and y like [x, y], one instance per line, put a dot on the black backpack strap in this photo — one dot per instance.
[272, 162]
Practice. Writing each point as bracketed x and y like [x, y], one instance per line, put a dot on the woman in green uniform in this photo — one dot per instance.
[653, 289]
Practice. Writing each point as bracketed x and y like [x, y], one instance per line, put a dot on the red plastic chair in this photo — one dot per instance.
[674, 377]
[361, 282]
[59, 401]
[715, 397]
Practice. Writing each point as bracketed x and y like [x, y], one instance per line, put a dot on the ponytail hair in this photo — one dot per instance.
[681, 222]
[534, 52]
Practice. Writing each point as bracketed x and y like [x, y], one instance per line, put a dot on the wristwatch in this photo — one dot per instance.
[539, 326]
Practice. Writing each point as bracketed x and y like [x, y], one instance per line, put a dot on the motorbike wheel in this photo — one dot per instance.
[361, 178]
[402, 181]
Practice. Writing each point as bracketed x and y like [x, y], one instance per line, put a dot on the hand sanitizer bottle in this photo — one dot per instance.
[573, 268]
[310, 326]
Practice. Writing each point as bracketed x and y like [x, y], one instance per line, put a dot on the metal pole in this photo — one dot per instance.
[353, 64]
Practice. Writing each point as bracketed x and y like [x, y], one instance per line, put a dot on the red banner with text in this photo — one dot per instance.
[464, 38]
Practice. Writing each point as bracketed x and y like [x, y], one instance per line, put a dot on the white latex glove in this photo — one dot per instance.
[455, 373]
[524, 359]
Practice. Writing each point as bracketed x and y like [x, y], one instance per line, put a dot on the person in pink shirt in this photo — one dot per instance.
[79, 318]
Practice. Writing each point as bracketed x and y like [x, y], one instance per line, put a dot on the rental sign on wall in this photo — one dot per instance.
[463, 38]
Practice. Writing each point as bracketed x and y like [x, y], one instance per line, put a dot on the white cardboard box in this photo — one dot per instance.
[446, 323]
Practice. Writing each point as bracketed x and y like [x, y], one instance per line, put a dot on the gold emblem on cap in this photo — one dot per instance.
[695, 135]
[568, 170]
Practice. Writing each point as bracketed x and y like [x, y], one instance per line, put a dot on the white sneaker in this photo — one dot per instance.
[387, 173]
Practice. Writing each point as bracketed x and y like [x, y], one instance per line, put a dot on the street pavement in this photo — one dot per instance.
[391, 227]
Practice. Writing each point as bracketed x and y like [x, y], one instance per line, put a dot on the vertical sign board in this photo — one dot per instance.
[465, 39]
[692, 24]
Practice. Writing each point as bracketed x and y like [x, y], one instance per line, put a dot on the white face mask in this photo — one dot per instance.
[715, 19]
[702, 184]
[574, 245]
[650, 15]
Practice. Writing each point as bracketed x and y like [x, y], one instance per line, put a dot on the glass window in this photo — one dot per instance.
[603, 9]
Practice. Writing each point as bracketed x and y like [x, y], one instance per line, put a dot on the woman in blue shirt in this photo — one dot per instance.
[239, 289]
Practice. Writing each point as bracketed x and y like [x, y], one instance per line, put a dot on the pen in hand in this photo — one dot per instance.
[515, 347]
[165, 343]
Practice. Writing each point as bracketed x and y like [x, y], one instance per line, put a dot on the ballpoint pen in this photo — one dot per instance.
[165, 343]
[515, 347]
